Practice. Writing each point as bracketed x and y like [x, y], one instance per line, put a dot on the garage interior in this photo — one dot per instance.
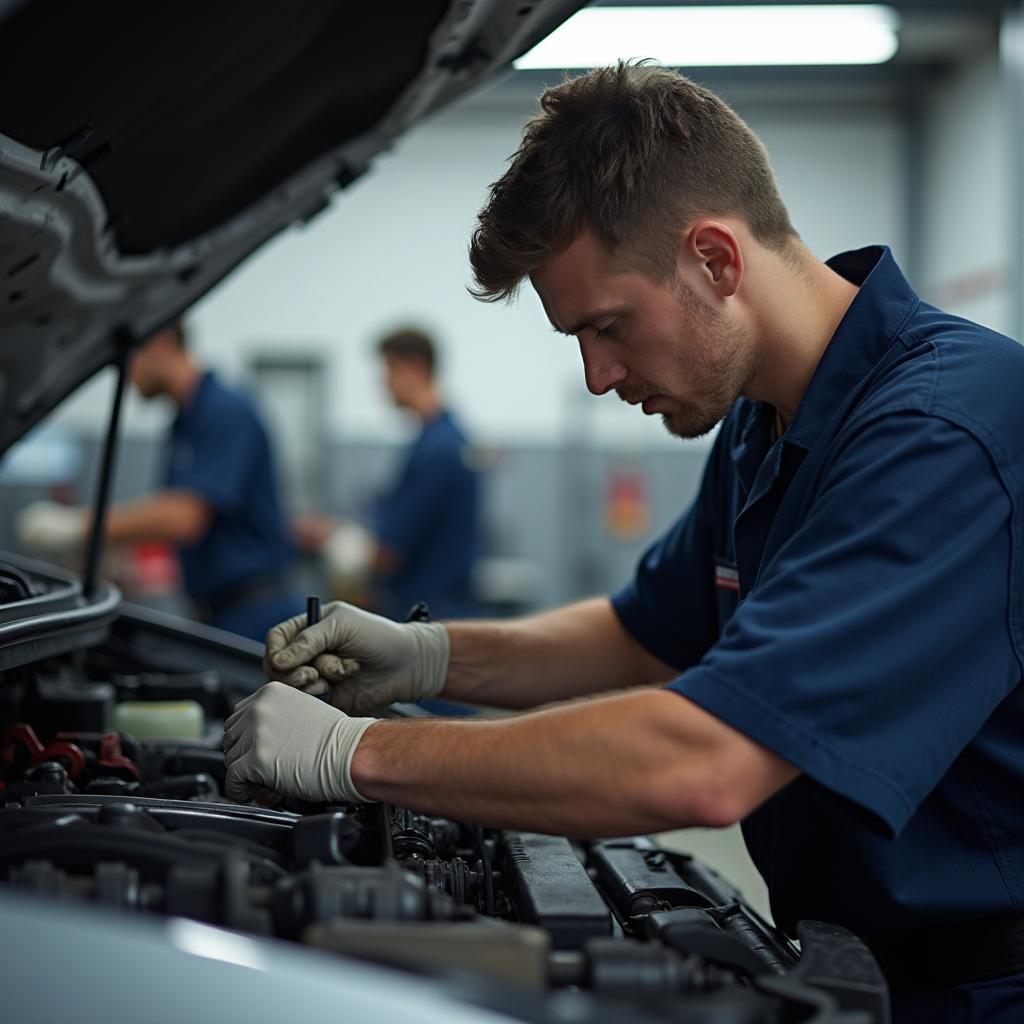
[923, 152]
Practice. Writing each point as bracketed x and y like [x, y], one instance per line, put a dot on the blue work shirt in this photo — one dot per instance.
[431, 517]
[220, 451]
[850, 596]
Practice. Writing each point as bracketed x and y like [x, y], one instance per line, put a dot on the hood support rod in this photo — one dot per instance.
[122, 343]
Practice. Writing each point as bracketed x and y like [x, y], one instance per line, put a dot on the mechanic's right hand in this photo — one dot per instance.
[364, 660]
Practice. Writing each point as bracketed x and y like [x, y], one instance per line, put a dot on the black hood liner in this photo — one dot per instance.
[147, 149]
[185, 114]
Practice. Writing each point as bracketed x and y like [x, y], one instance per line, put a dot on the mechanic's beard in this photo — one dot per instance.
[719, 369]
[722, 368]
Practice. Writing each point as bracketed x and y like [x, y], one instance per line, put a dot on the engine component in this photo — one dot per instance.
[67, 703]
[105, 753]
[160, 719]
[550, 887]
[414, 835]
[205, 688]
[22, 748]
[113, 884]
[455, 878]
[638, 878]
[49, 778]
[327, 838]
[736, 920]
[219, 892]
[159, 759]
[837, 962]
[625, 968]
[376, 894]
[119, 831]
[696, 933]
[215, 892]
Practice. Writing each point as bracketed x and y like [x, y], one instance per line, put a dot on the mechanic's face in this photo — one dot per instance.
[403, 379]
[149, 364]
[658, 345]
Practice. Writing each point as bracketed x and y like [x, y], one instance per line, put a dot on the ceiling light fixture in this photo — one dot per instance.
[721, 36]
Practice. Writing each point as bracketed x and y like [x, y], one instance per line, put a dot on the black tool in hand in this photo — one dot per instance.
[312, 618]
[419, 612]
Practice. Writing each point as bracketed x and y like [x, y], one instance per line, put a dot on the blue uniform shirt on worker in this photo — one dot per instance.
[220, 451]
[850, 596]
[431, 517]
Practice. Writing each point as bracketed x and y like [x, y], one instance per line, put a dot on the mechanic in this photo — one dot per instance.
[219, 505]
[425, 534]
[827, 646]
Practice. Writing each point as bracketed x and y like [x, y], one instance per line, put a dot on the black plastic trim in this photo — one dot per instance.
[55, 622]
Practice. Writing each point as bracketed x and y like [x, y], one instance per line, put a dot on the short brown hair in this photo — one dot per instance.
[412, 345]
[631, 152]
[179, 335]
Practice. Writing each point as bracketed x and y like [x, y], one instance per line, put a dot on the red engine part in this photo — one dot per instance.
[24, 736]
[108, 751]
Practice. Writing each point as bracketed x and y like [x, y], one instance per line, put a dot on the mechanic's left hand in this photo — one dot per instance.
[282, 742]
[49, 528]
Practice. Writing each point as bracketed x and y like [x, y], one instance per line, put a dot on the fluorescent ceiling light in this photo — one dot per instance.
[720, 36]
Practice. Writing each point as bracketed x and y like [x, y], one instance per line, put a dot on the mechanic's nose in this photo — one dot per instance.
[600, 368]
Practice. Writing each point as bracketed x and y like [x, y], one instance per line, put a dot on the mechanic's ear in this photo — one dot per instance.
[717, 251]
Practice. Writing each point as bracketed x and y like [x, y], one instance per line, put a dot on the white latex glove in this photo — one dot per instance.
[364, 660]
[280, 742]
[48, 527]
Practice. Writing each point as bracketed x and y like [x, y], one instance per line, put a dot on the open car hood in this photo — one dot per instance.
[147, 149]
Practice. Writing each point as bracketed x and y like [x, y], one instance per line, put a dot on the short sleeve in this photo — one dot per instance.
[876, 643]
[222, 454]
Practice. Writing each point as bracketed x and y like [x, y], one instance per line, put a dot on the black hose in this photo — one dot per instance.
[17, 580]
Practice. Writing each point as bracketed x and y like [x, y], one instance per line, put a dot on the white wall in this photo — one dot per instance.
[393, 248]
[841, 170]
[967, 230]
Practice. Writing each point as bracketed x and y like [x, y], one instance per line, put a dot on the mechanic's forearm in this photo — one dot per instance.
[174, 517]
[615, 765]
[574, 651]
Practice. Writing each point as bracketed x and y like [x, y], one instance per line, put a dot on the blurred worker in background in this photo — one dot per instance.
[424, 534]
[827, 646]
[219, 505]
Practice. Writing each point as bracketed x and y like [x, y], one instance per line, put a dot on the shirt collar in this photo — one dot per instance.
[877, 314]
[753, 441]
[204, 383]
[439, 418]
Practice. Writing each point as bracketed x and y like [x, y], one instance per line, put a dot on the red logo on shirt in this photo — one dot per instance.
[727, 577]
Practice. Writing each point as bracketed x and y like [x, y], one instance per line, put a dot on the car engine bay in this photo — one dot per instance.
[90, 814]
